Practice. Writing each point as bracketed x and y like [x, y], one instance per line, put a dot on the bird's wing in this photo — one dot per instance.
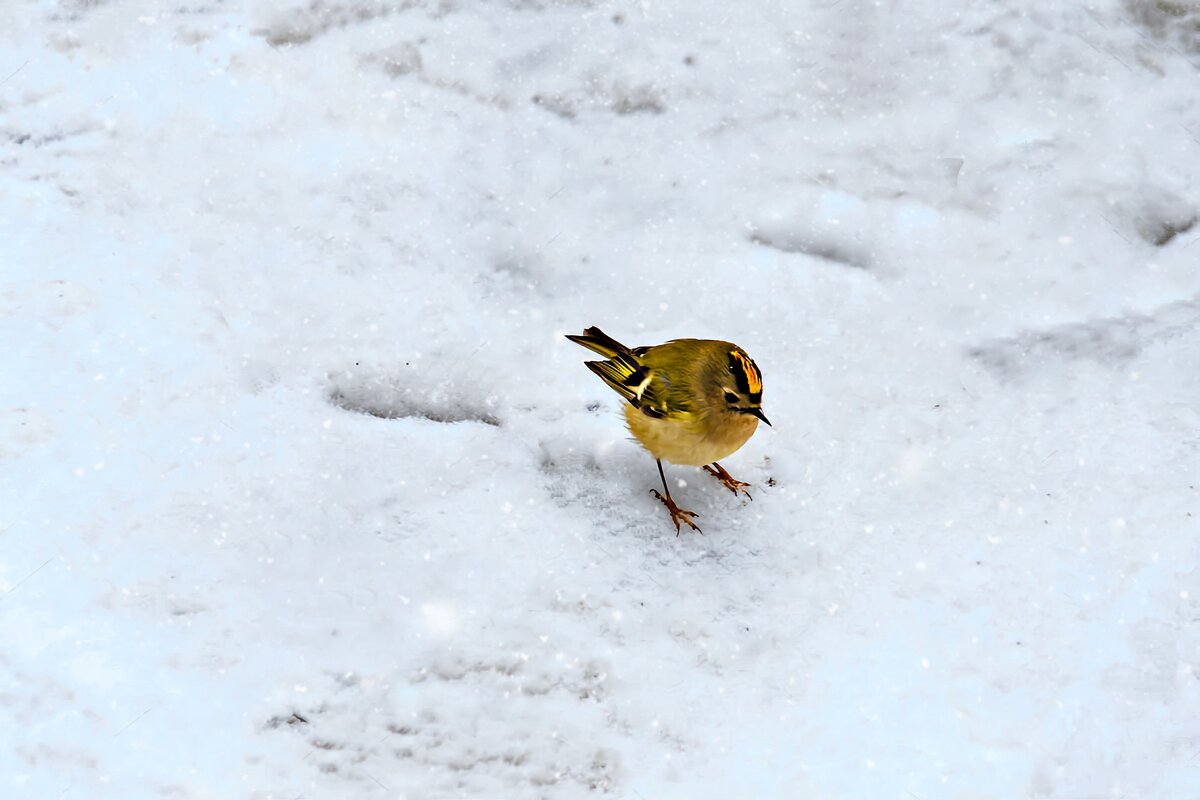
[646, 389]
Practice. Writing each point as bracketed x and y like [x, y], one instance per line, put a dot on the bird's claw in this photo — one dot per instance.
[678, 515]
[730, 483]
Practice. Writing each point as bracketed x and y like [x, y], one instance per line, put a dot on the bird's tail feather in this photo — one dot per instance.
[622, 372]
[600, 342]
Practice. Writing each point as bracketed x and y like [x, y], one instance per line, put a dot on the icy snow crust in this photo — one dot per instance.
[305, 495]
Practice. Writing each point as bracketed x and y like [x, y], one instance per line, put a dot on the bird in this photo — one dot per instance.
[690, 401]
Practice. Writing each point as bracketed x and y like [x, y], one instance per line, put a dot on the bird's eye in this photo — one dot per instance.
[730, 397]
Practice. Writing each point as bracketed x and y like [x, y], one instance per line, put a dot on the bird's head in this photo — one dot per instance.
[744, 395]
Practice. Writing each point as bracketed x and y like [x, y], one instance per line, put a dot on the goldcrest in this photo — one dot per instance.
[690, 401]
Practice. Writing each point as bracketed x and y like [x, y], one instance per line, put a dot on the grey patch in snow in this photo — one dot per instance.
[280, 720]
[951, 168]
[795, 242]
[433, 747]
[1152, 214]
[584, 681]
[73, 10]
[556, 104]
[257, 376]
[621, 99]
[44, 139]
[1176, 23]
[1111, 341]
[469, 92]
[187, 609]
[545, 5]
[404, 59]
[637, 100]
[1158, 231]
[597, 95]
[390, 397]
[297, 26]
[398, 60]
[519, 270]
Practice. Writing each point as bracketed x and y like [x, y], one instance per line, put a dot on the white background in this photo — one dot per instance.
[288, 425]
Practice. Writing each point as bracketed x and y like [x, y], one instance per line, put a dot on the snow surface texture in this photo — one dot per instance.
[305, 495]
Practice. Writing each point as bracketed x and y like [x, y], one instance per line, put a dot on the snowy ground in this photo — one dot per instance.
[304, 495]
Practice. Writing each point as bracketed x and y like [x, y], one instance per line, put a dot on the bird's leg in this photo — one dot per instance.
[730, 482]
[677, 514]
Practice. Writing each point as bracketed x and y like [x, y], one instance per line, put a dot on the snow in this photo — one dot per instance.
[305, 495]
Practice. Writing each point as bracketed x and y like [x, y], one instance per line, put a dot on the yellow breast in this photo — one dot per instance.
[694, 441]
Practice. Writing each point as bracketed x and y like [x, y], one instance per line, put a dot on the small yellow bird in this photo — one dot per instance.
[691, 401]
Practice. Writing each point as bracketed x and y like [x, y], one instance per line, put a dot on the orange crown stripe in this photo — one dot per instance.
[753, 379]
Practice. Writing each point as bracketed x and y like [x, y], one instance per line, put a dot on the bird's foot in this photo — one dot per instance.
[678, 515]
[730, 482]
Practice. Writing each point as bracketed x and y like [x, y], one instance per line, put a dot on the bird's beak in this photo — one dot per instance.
[758, 413]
